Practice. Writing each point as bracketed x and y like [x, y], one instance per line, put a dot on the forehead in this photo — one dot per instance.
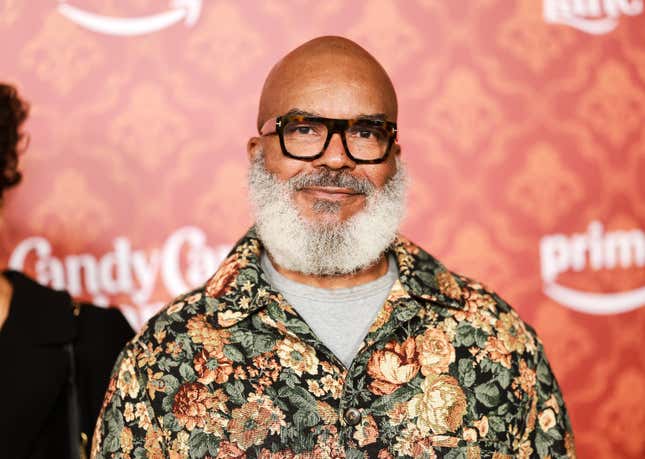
[334, 88]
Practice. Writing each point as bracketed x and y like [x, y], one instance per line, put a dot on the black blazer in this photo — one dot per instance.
[35, 368]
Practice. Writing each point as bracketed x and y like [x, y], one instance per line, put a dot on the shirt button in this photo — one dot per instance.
[352, 416]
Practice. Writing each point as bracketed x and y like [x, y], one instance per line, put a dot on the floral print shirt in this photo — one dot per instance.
[230, 370]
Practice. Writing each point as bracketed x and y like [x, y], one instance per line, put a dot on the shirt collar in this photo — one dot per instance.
[239, 288]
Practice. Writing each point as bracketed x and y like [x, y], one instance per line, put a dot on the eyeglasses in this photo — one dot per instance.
[366, 141]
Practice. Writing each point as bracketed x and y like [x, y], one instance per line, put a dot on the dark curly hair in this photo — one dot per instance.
[13, 112]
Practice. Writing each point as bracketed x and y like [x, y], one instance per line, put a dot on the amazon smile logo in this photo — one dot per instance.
[595, 250]
[177, 11]
[595, 17]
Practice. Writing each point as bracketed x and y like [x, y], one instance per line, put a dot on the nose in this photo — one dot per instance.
[335, 156]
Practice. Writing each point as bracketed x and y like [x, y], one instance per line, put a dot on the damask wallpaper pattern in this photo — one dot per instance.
[521, 122]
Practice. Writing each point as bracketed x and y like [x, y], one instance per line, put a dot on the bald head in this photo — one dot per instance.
[329, 76]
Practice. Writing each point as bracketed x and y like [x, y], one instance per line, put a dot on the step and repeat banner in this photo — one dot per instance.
[521, 122]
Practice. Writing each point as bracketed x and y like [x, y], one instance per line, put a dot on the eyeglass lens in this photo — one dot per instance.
[305, 138]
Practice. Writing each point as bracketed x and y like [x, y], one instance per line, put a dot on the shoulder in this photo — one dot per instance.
[479, 316]
[101, 331]
[462, 298]
[27, 290]
[30, 300]
[466, 302]
[91, 315]
[180, 310]
[489, 326]
[477, 296]
[187, 314]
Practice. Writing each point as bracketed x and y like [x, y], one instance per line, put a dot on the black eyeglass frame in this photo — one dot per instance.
[333, 125]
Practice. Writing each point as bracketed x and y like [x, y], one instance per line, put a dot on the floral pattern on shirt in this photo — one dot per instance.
[230, 370]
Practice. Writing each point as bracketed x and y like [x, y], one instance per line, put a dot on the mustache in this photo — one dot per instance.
[328, 177]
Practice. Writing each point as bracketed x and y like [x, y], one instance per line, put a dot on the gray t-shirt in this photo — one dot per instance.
[339, 317]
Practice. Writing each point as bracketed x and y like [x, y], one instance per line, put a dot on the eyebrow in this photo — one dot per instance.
[362, 116]
[299, 112]
[373, 117]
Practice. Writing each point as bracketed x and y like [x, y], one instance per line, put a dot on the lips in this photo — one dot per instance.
[330, 192]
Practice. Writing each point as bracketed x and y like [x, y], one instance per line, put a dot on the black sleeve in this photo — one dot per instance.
[102, 333]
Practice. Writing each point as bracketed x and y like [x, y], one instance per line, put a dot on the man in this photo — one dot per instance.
[324, 333]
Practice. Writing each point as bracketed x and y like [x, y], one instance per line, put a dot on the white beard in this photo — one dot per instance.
[325, 249]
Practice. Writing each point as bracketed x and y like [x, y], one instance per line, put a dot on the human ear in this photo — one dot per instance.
[254, 148]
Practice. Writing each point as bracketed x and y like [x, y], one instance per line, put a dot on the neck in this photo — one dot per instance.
[5, 299]
[363, 276]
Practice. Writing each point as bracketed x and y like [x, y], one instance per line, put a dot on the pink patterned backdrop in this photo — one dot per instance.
[521, 123]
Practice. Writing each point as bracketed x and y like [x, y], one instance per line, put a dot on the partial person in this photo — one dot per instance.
[55, 354]
[326, 333]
